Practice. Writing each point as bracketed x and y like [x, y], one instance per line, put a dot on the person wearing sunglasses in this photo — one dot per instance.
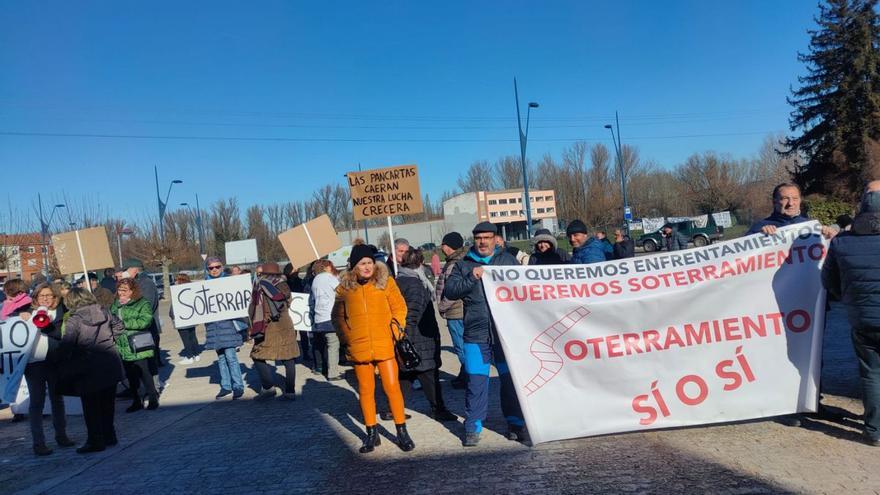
[224, 338]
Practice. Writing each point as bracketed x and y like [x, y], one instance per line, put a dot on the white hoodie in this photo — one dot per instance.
[322, 297]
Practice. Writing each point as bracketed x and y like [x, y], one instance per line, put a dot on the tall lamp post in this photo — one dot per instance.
[627, 213]
[523, 140]
[198, 215]
[162, 206]
[44, 232]
[119, 233]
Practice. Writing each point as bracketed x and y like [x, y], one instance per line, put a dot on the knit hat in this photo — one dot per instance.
[358, 253]
[132, 263]
[484, 227]
[453, 240]
[271, 269]
[576, 227]
[542, 232]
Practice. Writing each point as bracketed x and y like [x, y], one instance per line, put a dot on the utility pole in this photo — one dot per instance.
[523, 140]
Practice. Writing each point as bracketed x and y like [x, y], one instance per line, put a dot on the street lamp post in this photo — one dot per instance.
[44, 233]
[198, 216]
[119, 233]
[162, 206]
[523, 140]
[617, 152]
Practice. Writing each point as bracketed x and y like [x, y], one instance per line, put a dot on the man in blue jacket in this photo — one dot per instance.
[584, 248]
[481, 345]
[786, 210]
[852, 274]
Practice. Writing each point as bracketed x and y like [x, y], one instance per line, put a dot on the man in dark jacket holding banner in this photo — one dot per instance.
[852, 274]
[481, 345]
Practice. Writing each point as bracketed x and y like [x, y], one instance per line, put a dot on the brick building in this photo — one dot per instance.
[22, 255]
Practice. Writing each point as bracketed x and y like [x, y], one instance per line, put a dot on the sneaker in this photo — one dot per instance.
[237, 394]
[222, 393]
[185, 361]
[518, 434]
[471, 439]
[290, 396]
[64, 441]
[266, 394]
[873, 442]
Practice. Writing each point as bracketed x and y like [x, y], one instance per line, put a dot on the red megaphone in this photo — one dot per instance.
[41, 317]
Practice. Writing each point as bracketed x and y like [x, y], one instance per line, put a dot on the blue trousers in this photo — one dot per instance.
[456, 332]
[478, 359]
[230, 370]
[867, 346]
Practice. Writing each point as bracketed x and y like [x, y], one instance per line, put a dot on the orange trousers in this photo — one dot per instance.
[366, 377]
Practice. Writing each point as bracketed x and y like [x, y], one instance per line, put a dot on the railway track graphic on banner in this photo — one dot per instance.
[542, 348]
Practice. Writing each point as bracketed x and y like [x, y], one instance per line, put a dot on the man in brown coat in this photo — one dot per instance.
[453, 311]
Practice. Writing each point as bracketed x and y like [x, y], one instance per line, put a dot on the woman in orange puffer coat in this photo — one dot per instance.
[368, 303]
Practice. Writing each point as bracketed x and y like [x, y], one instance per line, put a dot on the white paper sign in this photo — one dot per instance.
[205, 301]
[241, 252]
[727, 332]
[299, 312]
[17, 338]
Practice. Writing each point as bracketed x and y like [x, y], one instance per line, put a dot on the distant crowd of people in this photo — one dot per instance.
[111, 334]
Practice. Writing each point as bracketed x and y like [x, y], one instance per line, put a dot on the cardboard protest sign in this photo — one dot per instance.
[726, 332]
[241, 252]
[383, 192]
[205, 301]
[299, 312]
[17, 340]
[310, 241]
[82, 250]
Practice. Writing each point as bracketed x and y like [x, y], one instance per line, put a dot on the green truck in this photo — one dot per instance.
[699, 236]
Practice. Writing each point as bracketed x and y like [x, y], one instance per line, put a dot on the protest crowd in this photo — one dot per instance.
[377, 316]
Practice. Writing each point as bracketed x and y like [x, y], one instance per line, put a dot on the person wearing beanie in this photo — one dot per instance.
[481, 344]
[563, 254]
[584, 248]
[546, 251]
[273, 332]
[453, 311]
[370, 315]
[850, 275]
[224, 338]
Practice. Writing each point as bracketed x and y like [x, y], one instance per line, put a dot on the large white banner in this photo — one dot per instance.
[730, 331]
[211, 300]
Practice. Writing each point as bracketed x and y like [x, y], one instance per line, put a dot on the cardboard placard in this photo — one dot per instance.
[82, 250]
[218, 299]
[241, 252]
[299, 312]
[310, 241]
[383, 192]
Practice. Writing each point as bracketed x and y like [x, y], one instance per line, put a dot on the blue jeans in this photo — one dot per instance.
[456, 331]
[230, 370]
[478, 358]
[867, 346]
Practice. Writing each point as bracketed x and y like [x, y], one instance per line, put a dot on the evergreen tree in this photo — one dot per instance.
[837, 106]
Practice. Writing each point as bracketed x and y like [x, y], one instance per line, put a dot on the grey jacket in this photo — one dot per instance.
[89, 350]
[449, 309]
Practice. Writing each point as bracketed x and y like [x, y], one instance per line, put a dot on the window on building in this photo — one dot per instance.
[45, 249]
[15, 250]
[32, 262]
[548, 198]
[502, 201]
[32, 250]
[493, 214]
[551, 210]
[513, 213]
[542, 210]
[503, 213]
[493, 202]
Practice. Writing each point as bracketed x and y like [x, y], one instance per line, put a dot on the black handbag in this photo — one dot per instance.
[408, 358]
[141, 341]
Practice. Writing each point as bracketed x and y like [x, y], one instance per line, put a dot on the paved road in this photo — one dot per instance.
[194, 444]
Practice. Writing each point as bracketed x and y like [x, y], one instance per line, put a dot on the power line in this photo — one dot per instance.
[353, 140]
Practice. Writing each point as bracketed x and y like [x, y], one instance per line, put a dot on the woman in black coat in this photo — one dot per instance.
[423, 332]
[91, 365]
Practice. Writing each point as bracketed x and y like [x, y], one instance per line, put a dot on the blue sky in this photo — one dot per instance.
[306, 91]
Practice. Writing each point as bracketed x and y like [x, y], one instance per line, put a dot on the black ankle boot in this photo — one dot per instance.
[371, 441]
[403, 440]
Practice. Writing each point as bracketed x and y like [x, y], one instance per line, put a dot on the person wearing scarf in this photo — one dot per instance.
[272, 331]
[422, 331]
[17, 299]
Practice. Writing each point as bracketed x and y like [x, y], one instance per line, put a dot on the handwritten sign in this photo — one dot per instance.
[211, 300]
[17, 339]
[299, 312]
[383, 192]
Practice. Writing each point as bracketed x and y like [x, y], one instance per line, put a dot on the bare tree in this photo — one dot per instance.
[477, 178]
[225, 221]
[712, 183]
